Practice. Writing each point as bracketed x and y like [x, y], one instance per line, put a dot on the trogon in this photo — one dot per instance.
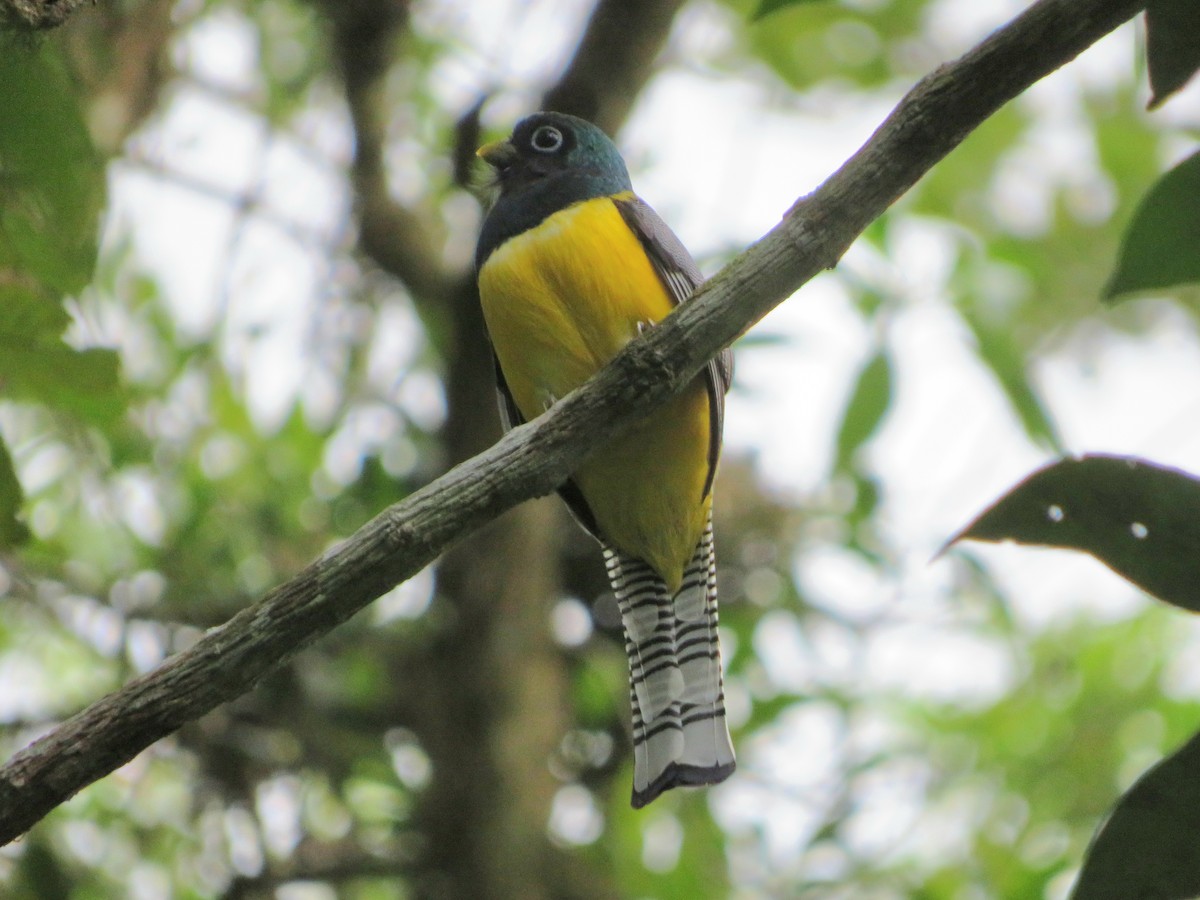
[572, 265]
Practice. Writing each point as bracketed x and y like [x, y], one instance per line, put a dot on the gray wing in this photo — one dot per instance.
[510, 417]
[681, 276]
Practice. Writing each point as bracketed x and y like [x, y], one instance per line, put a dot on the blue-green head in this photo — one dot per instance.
[550, 162]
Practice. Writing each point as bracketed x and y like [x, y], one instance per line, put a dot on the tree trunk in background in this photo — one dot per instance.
[495, 703]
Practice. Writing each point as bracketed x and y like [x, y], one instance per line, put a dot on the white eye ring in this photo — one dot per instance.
[546, 139]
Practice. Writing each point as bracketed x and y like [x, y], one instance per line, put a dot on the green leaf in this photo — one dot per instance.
[82, 382]
[999, 352]
[766, 340]
[869, 401]
[51, 180]
[51, 193]
[12, 531]
[803, 42]
[27, 315]
[1172, 46]
[766, 7]
[1139, 519]
[1159, 247]
[1149, 847]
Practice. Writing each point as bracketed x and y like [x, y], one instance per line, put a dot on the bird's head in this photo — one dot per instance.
[550, 145]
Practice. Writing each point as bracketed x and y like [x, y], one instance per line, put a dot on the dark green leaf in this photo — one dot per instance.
[868, 403]
[766, 7]
[1159, 248]
[1172, 45]
[1149, 846]
[1140, 519]
[12, 532]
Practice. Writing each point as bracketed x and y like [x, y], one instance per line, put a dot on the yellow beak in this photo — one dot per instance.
[498, 154]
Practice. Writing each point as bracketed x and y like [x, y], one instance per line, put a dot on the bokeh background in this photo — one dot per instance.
[282, 337]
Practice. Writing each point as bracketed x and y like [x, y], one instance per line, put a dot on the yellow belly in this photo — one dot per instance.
[560, 301]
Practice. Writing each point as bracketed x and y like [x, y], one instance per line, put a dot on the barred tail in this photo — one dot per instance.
[679, 731]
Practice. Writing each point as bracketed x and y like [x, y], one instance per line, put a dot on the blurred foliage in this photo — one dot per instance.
[766, 7]
[1048, 759]
[53, 188]
[870, 400]
[807, 43]
[158, 491]
[52, 182]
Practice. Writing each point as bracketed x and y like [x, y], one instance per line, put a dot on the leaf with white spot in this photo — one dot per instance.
[1140, 519]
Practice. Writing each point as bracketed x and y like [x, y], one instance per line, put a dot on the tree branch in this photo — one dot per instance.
[37, 15]
[533, 460]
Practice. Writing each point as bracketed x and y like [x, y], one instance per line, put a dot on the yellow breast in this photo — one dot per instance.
[560, 300]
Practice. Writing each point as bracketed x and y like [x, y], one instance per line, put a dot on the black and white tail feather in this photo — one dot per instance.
[679, 732]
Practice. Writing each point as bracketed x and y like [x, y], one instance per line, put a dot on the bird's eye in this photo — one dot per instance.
[546, 139]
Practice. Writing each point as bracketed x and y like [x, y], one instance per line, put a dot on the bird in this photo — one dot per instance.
[571, 266]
